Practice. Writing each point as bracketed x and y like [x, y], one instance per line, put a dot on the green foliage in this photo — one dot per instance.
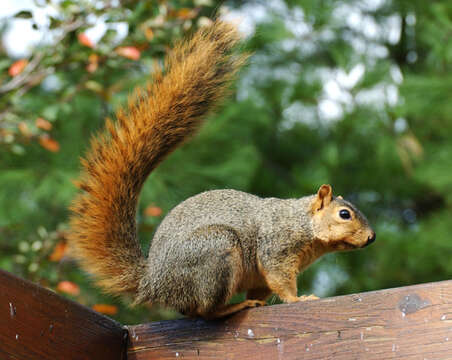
[50, 105]
[340, 92]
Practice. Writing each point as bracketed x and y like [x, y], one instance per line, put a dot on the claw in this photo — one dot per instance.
[308, 297]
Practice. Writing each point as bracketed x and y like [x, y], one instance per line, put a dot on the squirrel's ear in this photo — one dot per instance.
[340, 197]
[323, 198]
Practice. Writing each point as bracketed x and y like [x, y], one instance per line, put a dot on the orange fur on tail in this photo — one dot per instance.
[103, 229]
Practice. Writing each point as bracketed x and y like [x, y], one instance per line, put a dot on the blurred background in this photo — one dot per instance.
[351, 93]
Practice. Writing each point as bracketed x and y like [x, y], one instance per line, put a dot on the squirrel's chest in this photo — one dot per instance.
[307, 255]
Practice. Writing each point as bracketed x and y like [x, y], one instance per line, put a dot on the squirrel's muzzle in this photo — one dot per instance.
[371, 239]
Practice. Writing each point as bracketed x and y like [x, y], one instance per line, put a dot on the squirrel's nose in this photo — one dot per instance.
[371, 239]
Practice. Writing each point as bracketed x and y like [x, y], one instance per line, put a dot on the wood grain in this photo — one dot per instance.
[407, 323]
[36, 323]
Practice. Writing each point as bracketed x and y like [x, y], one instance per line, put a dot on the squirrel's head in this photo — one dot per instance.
[337, 224]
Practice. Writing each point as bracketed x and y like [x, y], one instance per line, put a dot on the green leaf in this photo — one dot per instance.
[54, 23]
[24, 14]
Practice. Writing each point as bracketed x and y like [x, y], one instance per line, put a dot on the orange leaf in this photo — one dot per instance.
[129, 52]
[17, 67]
[68, 287]
[105, 309]
[84, 40]
[48, 143]
[91, 67]
[153, 211]
[24, 129]
[149, 33]
[43, 124]
[186, 13]
[93, 63]
[58, 251]
[5, 132]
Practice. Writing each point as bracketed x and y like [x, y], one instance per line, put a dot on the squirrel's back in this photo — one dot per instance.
[224, 207]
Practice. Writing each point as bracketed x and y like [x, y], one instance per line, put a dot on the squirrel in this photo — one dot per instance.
[214, 244]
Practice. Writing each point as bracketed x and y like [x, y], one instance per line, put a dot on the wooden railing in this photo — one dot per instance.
[412, 322]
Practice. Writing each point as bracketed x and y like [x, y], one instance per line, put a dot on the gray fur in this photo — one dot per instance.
[225, 233]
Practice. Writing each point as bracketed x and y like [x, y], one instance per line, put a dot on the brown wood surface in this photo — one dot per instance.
[36, 323]
[403, 323]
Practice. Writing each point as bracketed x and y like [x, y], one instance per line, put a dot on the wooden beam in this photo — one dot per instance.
[407, 323]
[36, 323]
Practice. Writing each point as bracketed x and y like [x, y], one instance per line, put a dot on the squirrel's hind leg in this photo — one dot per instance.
[258, 294]
[215, 269]
[226, 310]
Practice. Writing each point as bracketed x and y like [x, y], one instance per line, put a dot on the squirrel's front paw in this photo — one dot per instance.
[255, 303]
[307, 297]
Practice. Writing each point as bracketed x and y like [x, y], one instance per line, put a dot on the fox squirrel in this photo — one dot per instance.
[211, 245]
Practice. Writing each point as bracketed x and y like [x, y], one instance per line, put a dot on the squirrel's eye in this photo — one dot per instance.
[345, 214]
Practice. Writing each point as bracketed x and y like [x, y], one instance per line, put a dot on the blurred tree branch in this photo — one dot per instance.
[33, 74]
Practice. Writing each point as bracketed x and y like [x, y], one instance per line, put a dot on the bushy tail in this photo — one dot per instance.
[103, 228]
